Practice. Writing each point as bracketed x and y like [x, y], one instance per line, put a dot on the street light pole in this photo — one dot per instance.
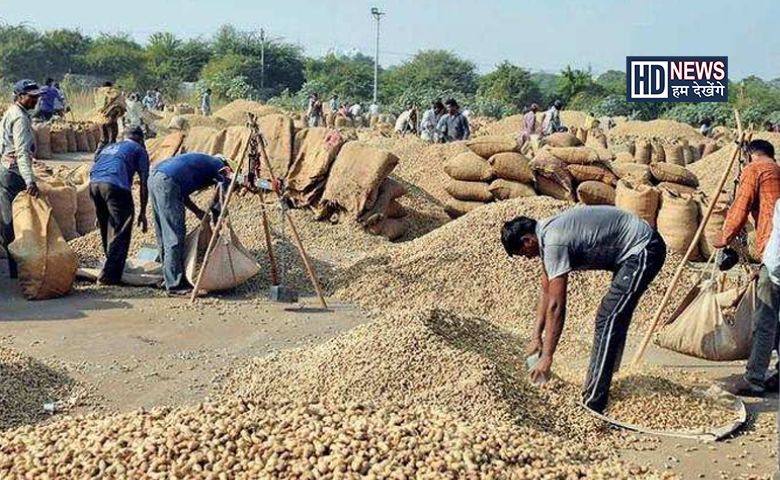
[378, 16]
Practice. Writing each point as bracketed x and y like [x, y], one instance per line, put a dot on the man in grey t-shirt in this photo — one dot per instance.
[588, 238]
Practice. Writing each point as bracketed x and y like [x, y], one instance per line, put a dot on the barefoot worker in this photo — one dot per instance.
[587, 238]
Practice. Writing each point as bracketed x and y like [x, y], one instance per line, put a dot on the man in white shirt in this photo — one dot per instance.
[355, 110]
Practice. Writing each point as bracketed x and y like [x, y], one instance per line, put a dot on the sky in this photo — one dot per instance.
[538, 35]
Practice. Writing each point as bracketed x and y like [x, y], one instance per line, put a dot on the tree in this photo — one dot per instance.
[613, 81]
[115, 56]
[349, 77]
[65, 51]
[434, 69]
[23, 53]
[191, 56]
[509, 85]
[572, 82]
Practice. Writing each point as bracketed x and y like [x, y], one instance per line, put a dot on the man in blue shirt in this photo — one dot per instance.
[111, 187]
[171, 183]
[49, 98]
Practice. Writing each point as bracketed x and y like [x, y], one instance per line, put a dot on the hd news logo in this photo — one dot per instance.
[677, 79]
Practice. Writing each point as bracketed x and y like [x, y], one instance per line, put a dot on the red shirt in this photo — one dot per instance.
[759, 190]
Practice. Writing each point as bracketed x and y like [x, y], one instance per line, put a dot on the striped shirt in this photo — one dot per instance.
[759, 189]
[16, 142]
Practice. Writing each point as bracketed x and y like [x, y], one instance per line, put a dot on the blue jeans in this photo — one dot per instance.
[168, 208]
[765, 319]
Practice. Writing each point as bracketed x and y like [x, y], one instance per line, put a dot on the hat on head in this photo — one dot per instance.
[26, 87]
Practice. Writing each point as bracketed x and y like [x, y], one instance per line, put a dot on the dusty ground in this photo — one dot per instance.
[145, 350]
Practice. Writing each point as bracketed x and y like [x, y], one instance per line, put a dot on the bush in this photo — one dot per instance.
[694, 113]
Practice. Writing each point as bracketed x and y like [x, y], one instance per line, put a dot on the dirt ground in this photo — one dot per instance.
[146, 350]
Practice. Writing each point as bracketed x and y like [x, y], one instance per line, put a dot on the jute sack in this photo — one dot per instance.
[343, 122]
[581, 134]
[561, 139]
[576, 155]
[206, 140]
[42, 135]
[236, 143]
[457, 208]
[70, 138]
[641, 200]
[678, 219]
[86, 217]
[389, 192]
[634, 173]
[355, 177]
[395, 210]
[390, 228]
[469, 167]
[709, 147]
[316, 149]
[163, 148]
[62, 199]
[553, 179]
[644, 152]
[47, 264]
[674, 154]
[714, 226]
[59, 141]
[658, 155]
[279, 134]
[596, 193]
[597, 140]
[82, 144]
[507, 189]
[471, 191]
[490, 145]
[687, 151]
[512, 166]
[676, 188]
[230, 264]
[624, 157]
[666, 172]
[92, 142]
[714, 326]
[598, 173]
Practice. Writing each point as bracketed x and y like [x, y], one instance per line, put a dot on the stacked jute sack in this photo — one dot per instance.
[492, 169]
[575, 173]
[676, 151]
[65, 137]
[666, 196]
[358, 186]
[67, 192]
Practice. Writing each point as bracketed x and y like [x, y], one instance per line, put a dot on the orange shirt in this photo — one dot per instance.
[759, 189]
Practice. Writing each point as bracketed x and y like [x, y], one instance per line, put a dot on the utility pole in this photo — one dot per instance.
[262, 59]
[378, 16]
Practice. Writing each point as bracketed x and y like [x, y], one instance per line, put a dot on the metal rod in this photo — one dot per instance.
[694, 243]
[268, 243]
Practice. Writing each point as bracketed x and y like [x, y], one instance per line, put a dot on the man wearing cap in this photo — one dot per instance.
[111, 187]
[171, 183]
[16, 167]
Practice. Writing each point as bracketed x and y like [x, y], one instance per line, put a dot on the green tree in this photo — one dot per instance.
[349, 77]
[23, 53]
[115, 56]
[191, 56]
[573, 81]
[65, 51]
[613, 81]
[509, 85]
[430, 69]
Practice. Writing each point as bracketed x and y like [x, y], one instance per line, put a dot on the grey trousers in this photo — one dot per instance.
[11, 185]
[170, 229]
[765, 319]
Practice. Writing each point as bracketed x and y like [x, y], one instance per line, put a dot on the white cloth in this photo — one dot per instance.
[772, 251]
[373, 109]
[402, 121]
[355, 110]
[134, 114]
[428, 125]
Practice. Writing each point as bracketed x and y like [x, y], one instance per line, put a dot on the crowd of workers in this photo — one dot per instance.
[167, 185]
[582, 238]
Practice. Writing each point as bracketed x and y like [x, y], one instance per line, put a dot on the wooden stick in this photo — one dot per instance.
[694, 243]
[268, 244]
[215, 234]
[304, 256]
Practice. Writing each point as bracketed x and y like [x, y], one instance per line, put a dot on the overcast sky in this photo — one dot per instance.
[540, 35]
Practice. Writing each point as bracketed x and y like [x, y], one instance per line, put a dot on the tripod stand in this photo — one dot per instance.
[256, 155]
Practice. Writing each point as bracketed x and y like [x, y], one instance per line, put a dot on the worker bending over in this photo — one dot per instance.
[587, 238]
[171, 183]
[111, 188]
[757, 193]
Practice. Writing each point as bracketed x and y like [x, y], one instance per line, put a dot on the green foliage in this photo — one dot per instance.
[423, 97]
[350, 78]
[612, 81]
[572, 82]
[694, 113]
[115, 56]
[65, 51]
[510, 86]
[22, 53]
[439, 70]
[773, 117]
[585, 101]
[613, 106]
[228, 76]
